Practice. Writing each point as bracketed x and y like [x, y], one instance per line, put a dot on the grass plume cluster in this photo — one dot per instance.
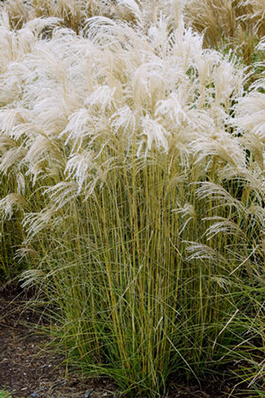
[230, 25]
[132, 168]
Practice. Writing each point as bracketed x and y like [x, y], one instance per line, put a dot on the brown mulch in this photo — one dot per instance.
[28, 369]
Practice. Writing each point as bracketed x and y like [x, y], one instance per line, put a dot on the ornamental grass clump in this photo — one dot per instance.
[134, 175]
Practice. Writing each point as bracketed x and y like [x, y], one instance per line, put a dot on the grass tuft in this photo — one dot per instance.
[132, 194]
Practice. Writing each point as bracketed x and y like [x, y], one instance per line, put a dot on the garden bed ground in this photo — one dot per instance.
[28, 369]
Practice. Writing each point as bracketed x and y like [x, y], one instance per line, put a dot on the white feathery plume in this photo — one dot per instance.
[213, 192]
[129, 5]
[124, 119]
[102, 98]
[11, 118]
[79, 168]
[204, 252]
[8, 47]
[81, 125]
[188, 211]
[226, 79]
[36, 172]
[11, 203]
[6, 143]
[37, 25]
[224, 226]
[36, 222]
[97, 30]
[187, 48]
[160, 37]
[155, 133]
[256, 211]
[21, 183]
[250, 113]
[174, 107]
[148, 84]
[220, 145]
[13, 157]
[255, 145]
[42, 149]
[61, 193]
[12, 84]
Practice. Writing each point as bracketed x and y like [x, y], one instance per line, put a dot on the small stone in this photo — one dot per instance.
[88, 393]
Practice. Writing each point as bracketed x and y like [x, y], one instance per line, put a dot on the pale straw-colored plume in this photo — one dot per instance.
[10, 204]
[155, 88]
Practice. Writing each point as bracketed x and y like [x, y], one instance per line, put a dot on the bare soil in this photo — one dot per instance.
[28, 369]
